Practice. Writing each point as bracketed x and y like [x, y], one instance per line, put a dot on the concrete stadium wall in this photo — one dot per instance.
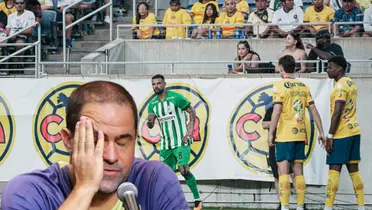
[253, 194]
[207, 50]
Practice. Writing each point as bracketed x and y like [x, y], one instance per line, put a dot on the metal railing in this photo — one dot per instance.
[187, 26]
[36, 45]
[80, 20]
[335, 28]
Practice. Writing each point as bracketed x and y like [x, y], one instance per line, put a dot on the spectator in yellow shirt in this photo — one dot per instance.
[198, 10]
[8, 7]
[318, 13]
[176, 15]
[231, 16]
[143, 16]
[242, 6]
[210, 17]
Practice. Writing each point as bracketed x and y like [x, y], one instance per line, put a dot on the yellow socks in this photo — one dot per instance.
[285, 189]
[300, 190]
[358, 187]
[332, 187]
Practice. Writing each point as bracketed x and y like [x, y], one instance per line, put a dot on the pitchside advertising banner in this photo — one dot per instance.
[229, 142]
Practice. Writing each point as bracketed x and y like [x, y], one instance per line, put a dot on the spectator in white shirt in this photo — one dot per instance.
[287, 15]
[368, 26]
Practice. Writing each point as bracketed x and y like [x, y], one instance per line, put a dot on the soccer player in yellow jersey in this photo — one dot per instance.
[291, 98]
[343, 139]
[176, 15]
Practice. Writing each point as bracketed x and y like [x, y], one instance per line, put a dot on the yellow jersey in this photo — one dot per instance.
[199, 9]
[326, 15]
[145, 31]
[6, 10]
[243, 6]
[179, 17]
[345, 91]
[237, 18]
[295, 97]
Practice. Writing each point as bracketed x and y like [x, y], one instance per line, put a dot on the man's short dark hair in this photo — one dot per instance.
[97, 92]
[339, 60]
[288, 63]
[158, 76]
[177, 2]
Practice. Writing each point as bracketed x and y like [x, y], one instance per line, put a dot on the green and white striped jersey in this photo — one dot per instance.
[172, 118]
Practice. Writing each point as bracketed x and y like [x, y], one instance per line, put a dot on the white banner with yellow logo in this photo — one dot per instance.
[229, 142]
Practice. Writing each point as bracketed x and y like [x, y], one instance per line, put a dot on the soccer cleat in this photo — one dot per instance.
[198, 205]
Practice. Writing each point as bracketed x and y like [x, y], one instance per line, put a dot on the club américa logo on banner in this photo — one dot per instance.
[49, 119]
[7, 129]
[148, 140]
[247, 138]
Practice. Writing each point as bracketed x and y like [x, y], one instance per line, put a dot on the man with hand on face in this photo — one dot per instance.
[101, 132]
[169, 108]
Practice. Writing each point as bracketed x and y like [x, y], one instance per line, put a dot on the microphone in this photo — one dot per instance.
[127, 193]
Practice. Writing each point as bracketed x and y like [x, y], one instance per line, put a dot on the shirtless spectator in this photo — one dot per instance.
[317, 13]
[287, 15]
[295, 48]
[324, 48]
[17, 22]
[368, 26]
[262, 15]
[348, 13]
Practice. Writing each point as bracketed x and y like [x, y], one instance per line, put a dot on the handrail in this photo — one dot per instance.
[347, 23]
[19, 32]
[80, 20]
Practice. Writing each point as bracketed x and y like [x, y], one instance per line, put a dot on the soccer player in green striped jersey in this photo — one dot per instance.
[170, 108]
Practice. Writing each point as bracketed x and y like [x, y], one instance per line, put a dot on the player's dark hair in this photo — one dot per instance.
[138, 16]
[339, 60]
[97, 92]
[214, 15]
[158, 76]
[288, 63]
[177, 2]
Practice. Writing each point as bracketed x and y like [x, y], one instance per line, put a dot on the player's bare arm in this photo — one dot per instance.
[274, 122]
[335, 121]
[150, 121]
[318, 122]
[190, 126]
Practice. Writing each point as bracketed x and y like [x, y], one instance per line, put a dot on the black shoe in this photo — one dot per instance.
[279, 207]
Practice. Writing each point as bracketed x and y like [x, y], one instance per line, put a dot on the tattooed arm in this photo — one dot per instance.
[190, 127]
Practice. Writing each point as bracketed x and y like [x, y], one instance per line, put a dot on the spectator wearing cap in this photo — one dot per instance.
[348, 13]
[262, 15]
[324, 48]
[288, 14]
[368, 26]
[317, 13]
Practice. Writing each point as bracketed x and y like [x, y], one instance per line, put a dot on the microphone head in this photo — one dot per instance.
[125, 188]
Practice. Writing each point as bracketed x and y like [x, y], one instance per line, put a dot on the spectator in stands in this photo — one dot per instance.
[35, 7]
[295, 48]
[58, 6]
[334, 4]
[143, 16]
[262, 15]
[17, 22]
[230, 16]
[176, 15]
[277, 4]
[245, 53]
[210, 17]
[288, 14]
[368, 26]
[198, 10]
[348, 13]
[364, 4]
[317, 13]
[242, 6]
[324, 48]
[8, 7]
